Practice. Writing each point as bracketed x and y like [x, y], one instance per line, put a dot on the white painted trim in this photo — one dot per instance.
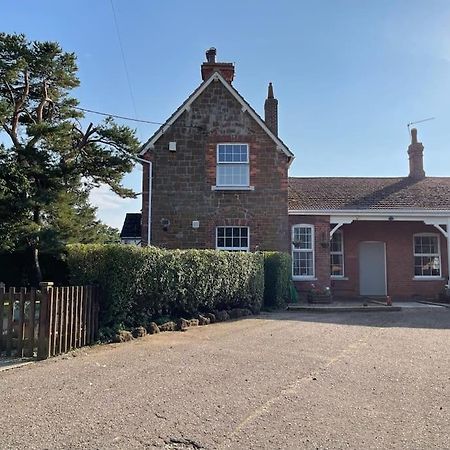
[429, 278]
[342, 252]
[223, 163]
[338, 277]
[313, 249]
[150, 193]
[233, 162]
[242, 249]
[438, 237]
[233, 188]
[363, 214]
[445, 233]
[216, 77]
[336, 227]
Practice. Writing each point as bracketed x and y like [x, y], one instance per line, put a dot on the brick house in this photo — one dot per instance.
[217, 177]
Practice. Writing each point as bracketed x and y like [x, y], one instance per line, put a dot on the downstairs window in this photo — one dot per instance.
[303, 251]
[235, 239]
[427, 257]
[337, 254]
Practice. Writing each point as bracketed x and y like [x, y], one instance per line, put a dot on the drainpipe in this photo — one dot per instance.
[150, 179]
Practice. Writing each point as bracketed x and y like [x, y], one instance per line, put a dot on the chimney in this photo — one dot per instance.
[211, 66]
[271, 111]
[415, 152]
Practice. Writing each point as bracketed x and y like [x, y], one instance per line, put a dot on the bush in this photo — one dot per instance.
[141, 284]
[277, 284]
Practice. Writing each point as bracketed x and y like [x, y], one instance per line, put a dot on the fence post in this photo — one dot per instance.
[44, 321]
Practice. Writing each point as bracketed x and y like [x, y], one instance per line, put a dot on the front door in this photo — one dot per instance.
[372, 268]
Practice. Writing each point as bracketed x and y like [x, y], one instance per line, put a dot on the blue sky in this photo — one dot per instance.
[348, 74]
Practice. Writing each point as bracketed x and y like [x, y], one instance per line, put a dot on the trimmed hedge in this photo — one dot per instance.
[140, 284]
[277, 275]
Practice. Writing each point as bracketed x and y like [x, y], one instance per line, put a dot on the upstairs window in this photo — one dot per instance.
[232, 165]
[427, 257]
[337, 254]
[235, 239]
[303, 251]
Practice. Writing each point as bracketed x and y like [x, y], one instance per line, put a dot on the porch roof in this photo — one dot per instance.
[358, 193]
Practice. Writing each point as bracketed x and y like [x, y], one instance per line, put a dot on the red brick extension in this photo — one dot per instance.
[398, 237]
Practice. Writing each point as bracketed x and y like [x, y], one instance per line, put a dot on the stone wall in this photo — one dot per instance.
[183, 180]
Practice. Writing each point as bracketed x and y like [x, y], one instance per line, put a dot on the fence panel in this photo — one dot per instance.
[49, 321]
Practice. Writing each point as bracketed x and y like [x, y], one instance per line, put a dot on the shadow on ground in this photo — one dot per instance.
[425, 317]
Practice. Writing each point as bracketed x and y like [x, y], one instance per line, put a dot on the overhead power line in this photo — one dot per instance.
[151, 122]
[117, 116]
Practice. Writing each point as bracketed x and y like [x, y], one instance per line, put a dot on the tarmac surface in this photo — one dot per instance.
[286, 380]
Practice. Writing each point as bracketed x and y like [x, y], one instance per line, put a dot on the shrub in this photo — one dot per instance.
[141, 284]
[277, 284]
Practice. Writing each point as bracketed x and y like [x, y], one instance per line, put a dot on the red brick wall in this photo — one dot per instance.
[321, 250]
[398, 237]
[182, 180]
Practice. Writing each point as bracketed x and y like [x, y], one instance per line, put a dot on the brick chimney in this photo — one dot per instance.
[271, 111]
[415, 152]
[211, 66]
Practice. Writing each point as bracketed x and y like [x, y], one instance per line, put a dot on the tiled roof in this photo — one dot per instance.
[430, 193]
[131, 226]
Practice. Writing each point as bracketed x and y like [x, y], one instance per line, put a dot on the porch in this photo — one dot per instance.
[376, 253]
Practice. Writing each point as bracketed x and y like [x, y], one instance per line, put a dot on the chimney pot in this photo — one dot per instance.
[211, 66]
[211, 55]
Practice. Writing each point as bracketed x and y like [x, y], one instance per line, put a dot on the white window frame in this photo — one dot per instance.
[338, 253]
[298, 250]
[242, 163]
[235, 249]
[438, 254]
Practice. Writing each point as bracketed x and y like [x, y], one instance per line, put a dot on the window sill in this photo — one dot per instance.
[298, 278]
[232, 188]
[429, 278]
[338, 277]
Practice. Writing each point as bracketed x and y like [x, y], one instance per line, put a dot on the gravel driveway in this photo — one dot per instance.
[286, 380]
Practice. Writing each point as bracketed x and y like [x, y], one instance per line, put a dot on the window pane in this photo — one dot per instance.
[232, 238]
[232, 175]
[303, 263]
[337, 265]
[336, 242]
[303, 238]
[427, 266]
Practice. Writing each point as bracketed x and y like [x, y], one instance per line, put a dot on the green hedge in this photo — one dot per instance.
[140, 284]
[278, 281]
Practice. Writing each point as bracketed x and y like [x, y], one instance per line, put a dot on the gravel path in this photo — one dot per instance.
[286, 380]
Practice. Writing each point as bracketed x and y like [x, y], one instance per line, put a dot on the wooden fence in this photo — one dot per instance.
[48, 321]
